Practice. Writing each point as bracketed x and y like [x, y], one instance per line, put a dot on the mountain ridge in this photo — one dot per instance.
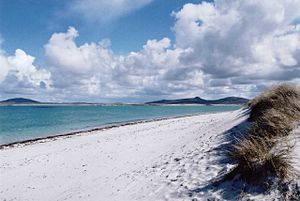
[198, 100]
[19, 101]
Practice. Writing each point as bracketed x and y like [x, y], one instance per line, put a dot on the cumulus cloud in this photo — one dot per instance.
[18, 71]
[104, 11]
[86, 67]
[96, 70]
[250, 39]
[21, 66]
[222, 48]
[92, 85]
[62, 51]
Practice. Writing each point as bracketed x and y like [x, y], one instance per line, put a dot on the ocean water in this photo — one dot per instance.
[18, 123]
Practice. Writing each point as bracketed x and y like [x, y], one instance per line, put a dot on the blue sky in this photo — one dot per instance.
[28, 24]
[141, 50]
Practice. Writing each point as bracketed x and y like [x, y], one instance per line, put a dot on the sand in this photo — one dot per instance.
[171, 159]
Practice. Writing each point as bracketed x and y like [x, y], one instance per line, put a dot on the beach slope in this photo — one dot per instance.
[169, 159]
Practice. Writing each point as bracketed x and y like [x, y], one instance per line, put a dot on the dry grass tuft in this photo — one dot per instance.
[284, 97]
[273, 123]
[258, 155]
[257, 161]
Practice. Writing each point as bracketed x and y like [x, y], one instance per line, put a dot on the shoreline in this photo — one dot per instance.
[54, 137]
[112, 105]
[158, 159]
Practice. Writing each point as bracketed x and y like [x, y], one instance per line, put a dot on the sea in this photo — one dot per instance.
[20, 123]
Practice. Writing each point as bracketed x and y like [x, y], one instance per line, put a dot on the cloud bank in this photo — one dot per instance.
[222, 48]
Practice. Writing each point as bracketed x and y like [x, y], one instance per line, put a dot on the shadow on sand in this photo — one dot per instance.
[233, 188]
[229, 183]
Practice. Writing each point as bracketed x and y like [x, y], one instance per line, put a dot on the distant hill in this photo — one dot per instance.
[229, 100]
[19, 101]
[197, 100]
[24, 101]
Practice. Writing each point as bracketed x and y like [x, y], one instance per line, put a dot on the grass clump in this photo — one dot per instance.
[273, 115]
[258, 161]
[273, 123]
[284, 98]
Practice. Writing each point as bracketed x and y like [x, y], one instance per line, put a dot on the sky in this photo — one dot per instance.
[142, 50]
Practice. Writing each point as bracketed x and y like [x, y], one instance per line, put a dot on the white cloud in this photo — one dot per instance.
[239, 37]
[87, 67]
[104, 11]
[253, 40]
[21, 66]
[92, 85]
[4, 68]
[226, 47]
[19, 70]
[220, 48]
[96, 70]
[62, 51]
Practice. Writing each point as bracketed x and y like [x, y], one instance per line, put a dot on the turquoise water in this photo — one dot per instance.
[19, 123]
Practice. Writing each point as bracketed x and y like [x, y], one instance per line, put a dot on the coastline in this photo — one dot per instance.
[109, 105]
[149, 160]
[95, 129]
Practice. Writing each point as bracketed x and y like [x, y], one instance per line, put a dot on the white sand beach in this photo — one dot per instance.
[172, 159]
